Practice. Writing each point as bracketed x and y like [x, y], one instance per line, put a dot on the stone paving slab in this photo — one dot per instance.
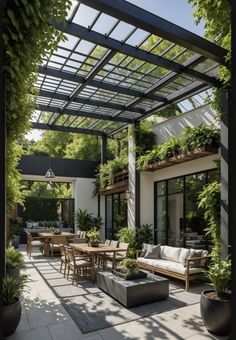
[44, 318]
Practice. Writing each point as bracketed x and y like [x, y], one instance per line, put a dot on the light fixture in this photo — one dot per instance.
[49, 185]
[50, 173]
[127, 194]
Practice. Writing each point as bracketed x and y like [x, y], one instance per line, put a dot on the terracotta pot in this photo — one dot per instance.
[216, 314]
[11, 317]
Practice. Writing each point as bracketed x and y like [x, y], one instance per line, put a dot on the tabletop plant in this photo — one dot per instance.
[129, 266]
[93, 237]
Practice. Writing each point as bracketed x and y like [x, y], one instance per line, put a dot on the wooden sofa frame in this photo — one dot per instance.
[184, 277]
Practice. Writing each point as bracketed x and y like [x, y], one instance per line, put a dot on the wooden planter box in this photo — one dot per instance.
[121, 182]
[188, 156]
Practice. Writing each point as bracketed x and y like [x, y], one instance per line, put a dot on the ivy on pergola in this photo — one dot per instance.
[119, 65]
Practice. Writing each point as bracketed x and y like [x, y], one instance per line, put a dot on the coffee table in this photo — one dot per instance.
[134, 292]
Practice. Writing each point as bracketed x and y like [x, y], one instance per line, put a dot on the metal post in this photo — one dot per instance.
[103, 149]
[2, 167]
[224, 211]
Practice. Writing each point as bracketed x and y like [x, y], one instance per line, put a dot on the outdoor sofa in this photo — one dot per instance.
[181, 263]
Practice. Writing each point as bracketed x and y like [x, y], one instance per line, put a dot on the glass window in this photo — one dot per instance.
[109, 217]
[175, 185]
[161, 188]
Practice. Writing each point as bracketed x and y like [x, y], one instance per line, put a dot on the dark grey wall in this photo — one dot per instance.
[38, 165]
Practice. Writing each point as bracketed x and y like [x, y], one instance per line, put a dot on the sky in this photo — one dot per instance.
[179, 12]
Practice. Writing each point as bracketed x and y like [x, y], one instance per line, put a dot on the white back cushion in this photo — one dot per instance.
[169, 253]
[184, 253]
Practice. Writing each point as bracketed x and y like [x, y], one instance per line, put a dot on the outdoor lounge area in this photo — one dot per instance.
[116, 194]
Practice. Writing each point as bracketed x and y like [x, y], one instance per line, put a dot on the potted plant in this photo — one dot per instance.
[215, 304]
[129, 270]
[14, 261]
[12, 288]
[15, 230]
[93, 237]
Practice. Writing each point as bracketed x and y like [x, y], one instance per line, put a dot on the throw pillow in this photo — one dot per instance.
[184, 253]
[144, 249]
[195, 253]
[29, 225]
[152, 251]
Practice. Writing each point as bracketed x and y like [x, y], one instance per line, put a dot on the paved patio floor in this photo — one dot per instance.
[44, 317]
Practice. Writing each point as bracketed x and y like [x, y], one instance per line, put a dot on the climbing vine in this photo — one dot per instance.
[28, 37]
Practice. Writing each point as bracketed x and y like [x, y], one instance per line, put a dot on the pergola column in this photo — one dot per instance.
[224, 208]
[2, 168]
[134, 182]
[102, 199]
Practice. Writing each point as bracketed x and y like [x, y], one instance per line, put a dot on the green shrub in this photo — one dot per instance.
[143, 235]
[12, 288]
[14, 259]
[86, 221]
[127, 235]
[219, 274]
[203, 135]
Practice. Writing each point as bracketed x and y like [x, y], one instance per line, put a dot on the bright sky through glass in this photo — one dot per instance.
[179, 12]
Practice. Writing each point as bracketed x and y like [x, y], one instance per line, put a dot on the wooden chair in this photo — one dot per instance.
[64, 258]
[33, 242]
[76, 264]
[119, 256]
[55, 243]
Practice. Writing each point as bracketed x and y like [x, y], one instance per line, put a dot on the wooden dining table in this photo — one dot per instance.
[47, 237]
[93, 251]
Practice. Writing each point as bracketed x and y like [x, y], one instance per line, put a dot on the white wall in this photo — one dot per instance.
[147, 180]
[173, 126]
[83, 194]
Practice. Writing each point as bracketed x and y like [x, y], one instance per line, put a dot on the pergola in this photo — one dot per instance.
[119, 65]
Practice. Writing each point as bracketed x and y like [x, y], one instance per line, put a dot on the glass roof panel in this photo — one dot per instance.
[85, 15]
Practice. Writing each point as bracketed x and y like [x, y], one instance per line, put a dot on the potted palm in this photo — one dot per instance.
[12, 288]
[14, 261]
[215, 304]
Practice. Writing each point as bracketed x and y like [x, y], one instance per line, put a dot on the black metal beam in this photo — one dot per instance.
[85, 101]
[42, 126]
[154, 24]
[175, 98]
[47, 108]
[115, 45]
[162, 83]
[104, 60]
[96, 83]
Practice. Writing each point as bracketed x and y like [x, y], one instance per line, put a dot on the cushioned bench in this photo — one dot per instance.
[181, 263]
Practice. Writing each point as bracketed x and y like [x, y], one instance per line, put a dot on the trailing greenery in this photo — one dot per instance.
[14, 259]
[86, 221]
[209, 200]
[28, 37]
[217, 18]
[191, 138]
[203, 135]
[144, 139]
[107, 171]
[12, 288]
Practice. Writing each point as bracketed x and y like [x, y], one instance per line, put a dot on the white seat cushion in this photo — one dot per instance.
[169, 253]
[36, 243]
[171, 266]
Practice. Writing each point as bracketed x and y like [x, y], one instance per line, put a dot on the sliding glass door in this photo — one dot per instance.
[116, 214]
[178, 219]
